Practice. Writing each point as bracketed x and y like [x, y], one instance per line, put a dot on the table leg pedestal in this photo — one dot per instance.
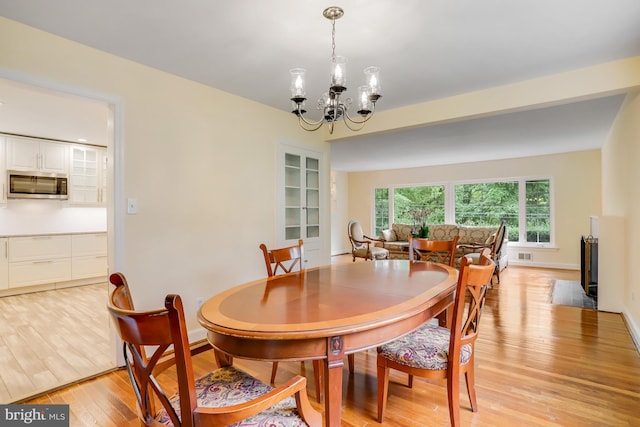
[333, 366]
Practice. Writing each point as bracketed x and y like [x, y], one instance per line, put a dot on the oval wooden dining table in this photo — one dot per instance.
[325, 313]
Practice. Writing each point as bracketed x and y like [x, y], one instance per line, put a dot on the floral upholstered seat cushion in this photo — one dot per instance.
[427, 348]
[230, 386]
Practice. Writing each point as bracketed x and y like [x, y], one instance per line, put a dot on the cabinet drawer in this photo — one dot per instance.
[35, 248]
[39, 272]
[88, 244]
[89, 266]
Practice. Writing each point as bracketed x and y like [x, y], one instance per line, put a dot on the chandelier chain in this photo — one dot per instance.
[333, 39]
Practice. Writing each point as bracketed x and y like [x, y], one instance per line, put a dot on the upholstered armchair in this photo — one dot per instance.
[362, 246]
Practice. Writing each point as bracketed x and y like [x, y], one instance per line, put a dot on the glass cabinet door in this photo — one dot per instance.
[88, 177]
[293, 197]
[302, 198]
[312, 193]
[84, 175]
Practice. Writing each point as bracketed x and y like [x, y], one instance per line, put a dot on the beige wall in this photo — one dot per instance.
[201, 163]
[576, 194]
[339, 213]
[621, 211]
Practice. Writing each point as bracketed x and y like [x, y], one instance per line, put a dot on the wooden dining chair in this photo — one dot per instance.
[436, 352]
[220, 398]
[442, 251]
[286, 260]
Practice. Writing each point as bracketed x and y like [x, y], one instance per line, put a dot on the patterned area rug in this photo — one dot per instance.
[569, 292]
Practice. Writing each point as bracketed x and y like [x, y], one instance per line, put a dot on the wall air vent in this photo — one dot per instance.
[524, 256]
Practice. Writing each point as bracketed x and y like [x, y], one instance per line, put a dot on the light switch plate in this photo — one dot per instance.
[132, 206]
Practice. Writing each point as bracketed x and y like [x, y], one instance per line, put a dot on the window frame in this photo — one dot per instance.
[449, 204]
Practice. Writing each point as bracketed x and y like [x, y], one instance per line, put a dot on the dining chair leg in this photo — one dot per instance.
[383, 387]
[317, 369]
[453, 392]
[317, 378]
[469, 377]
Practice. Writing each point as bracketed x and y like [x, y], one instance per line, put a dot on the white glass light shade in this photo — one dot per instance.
[364, 102]
[339, 71]
[298, 89]
[372, 78]
[325, 101]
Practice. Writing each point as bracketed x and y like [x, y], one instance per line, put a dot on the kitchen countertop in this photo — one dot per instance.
[53, 234]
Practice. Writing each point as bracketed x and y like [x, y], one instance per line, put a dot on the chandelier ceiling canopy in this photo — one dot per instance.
[334, 104]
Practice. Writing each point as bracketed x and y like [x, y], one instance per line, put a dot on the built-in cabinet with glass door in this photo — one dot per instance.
[87, 180]
[302, 202]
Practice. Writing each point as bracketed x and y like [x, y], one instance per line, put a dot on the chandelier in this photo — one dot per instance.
[331, 104]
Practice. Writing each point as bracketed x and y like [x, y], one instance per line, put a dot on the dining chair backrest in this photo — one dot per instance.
[473, 281]
[284, 259]
[159, 328]
[442, 251]
[124, 294]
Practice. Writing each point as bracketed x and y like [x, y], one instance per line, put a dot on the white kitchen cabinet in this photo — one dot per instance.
[33, 154]
[54, 261]
[4, 263]
[30, 273]
[87, 175]
[88, 255]
[35, 260]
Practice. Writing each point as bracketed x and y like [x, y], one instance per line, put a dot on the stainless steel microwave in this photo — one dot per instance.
[37, 185]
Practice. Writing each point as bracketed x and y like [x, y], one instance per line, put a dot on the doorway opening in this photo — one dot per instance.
[54, 335]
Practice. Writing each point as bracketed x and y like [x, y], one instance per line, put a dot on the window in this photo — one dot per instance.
[488, 203]
[538, 211]
[382, 210]
[409, 200]
[525, 205]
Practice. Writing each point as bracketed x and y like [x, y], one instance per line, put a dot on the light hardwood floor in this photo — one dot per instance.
[537, 364]
[52, 338]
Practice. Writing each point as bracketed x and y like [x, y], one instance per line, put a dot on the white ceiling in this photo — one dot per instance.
[34, 111]
[426, 49]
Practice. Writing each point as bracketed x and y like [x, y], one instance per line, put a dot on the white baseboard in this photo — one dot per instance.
[545, 265]
[197, 335]
[341, 252]
[634, 330]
